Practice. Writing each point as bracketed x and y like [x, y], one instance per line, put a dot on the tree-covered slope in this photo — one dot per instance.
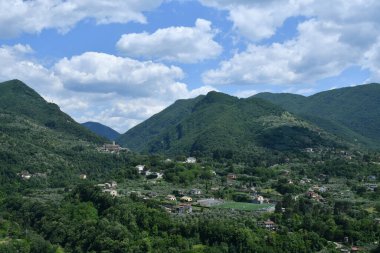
[17, 97]
[102, 130]
[351, 113]
[219, 123]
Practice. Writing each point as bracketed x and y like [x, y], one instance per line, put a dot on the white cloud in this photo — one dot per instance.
[181, 44]
[104, 73]
[335, 36]
[245, 93]
[257, 20]
[119, 92]
[33, 16]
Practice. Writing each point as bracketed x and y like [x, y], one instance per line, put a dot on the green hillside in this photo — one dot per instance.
[102, 130]
[17, 97]
[35, 136]
[222, 124]
[350, 113]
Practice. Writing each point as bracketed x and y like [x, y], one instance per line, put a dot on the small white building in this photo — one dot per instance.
[83, 176]
[259, 199]
[195, 192]
[140, 168]
[191, 160]
[171, 198]
[111, 192]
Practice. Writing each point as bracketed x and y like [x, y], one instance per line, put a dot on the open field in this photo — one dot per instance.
[243, 206]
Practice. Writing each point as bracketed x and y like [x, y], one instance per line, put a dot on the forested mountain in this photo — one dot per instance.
[37, 137]
[18, 98]
[351, 113]
[221, 124]
[102, 130]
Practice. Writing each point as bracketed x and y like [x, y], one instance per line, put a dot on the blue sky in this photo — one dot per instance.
[119, 62]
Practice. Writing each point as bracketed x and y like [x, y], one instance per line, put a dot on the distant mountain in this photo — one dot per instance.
[102, 130]
[351, 113]
[16, 97]
[221, 124]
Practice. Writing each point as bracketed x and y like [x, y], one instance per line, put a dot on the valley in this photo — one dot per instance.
[209, 174]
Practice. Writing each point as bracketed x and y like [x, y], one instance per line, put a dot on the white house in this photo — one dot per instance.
[195, 192]
[259, 199]
[111, 192]
[171, 198]
[140, 168]
[191, 160]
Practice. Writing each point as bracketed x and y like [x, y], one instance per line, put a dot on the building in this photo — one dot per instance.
[113, 148]
[112, 192]
[25, 175]
[171, 198]
[140, 168]
[259, 200]
[231, 176]
[83, 176]
[195, 192]
[270, 225]
[186, 199]
[313, 195]
[191, 160]
[113, 184]
[183, 208]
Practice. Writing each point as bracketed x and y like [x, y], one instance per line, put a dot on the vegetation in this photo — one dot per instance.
[222, 126]
[325, 196]
[347, 112]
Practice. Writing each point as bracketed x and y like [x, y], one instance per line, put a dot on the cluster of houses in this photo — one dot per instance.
[111, 148]
[109, 188]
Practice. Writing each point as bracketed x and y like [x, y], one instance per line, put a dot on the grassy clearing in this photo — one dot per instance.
[243, 206]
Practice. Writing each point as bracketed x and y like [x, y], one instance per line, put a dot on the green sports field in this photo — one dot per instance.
[243, 206]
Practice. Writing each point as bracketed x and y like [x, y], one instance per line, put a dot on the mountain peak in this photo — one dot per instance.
[17, 97]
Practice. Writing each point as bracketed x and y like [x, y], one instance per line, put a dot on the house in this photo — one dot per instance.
[186, 199]
[191, 160]
[214, 189]
[195, 192]
[270, 225]
[83, 176]
[231, 176]
[113, 184]
[171, 198]
[183, 208]
[179, 193]
[371, 178]
[140, 168]
[371, 187]
[309, 150]
[259, 200]
[25, 175]
[213, 172]
[113, 148]
[313, 195]
[111, 192]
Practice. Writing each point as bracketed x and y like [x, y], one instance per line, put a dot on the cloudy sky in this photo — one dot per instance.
[120, 61]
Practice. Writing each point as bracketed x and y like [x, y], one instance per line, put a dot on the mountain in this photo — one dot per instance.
[37, 137]
[351, 113]
[221, 124]
[101, 130]
[16, 97]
